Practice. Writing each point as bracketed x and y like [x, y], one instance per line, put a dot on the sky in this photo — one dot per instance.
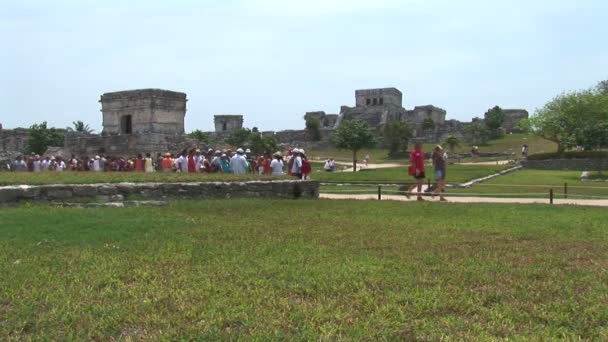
[274, 60]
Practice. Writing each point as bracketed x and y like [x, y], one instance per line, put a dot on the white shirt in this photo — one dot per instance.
[238, 165]
[277, 167]
[182, 163]
[297, 165]
[198, 161]
[96, 165]
[37, 166]
[60, 166]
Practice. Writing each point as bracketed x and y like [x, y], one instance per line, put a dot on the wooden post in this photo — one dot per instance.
[379, 192]
[551, 196]
[566, 190]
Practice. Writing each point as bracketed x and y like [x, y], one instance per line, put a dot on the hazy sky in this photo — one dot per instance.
[273, 60]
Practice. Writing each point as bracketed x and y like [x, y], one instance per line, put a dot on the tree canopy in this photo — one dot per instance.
[577, 118]
[80, 127]
[41, 137]
[494, 119]
[354, 135]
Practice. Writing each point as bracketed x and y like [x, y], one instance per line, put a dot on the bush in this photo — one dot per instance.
[569, 155]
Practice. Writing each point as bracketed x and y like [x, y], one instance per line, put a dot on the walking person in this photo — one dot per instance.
[439, 163]
[416, 169]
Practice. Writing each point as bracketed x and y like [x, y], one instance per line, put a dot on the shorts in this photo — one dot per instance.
[421, 175]
[440, 175]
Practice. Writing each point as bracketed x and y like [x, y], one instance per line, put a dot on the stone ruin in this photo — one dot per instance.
[152, 120]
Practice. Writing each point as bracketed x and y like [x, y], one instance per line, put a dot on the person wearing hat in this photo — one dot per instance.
[225, 162]
[296, 166]
[276, 165]
[439, 161]
[238, 163]
[97, 164]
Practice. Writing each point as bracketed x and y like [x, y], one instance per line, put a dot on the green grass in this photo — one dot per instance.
[539, 181]
[510, 143]
[7, 178]
[455, 174]
[304, 270]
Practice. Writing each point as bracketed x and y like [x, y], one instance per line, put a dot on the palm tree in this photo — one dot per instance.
[80, 127]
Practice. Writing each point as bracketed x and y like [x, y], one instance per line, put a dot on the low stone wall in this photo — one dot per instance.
[110, 192]
[567, 164]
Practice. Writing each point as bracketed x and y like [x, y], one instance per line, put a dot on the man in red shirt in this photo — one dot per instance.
[416, 169]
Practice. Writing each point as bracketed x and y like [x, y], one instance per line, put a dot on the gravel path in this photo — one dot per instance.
[459, 199]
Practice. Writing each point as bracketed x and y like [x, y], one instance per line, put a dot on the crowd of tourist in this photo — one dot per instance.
[294, 163]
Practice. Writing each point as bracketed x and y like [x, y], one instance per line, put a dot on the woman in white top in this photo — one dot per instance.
[276, 165]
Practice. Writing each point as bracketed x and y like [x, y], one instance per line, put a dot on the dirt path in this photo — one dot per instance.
[361, 166]
[495, 162]
[459, 199]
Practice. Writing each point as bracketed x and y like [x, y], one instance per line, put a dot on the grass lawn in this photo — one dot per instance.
[304, 270]
[7, 178]
[455, 174]
[539, 181]
[510, 143]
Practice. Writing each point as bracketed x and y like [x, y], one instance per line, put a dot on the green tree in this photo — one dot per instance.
[494, 118]
[602, 87]
[313, 127]
[260, 143]
[353, 135]
[524, 125]
[452, 142]
[200, 136]
[572, 119]
[428, 124]
[80, 127]
[477, 133]
[239, 137]
[41, 137]
[396, 136]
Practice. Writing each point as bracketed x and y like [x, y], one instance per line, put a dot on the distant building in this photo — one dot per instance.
[143, 111]
[227, 123]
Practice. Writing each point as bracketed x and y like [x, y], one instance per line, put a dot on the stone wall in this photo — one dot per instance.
[567, 164]
[287, 189]
[14, 139]
[126, 145]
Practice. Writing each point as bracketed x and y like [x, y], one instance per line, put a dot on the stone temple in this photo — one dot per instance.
[143, 111]
[135, 121]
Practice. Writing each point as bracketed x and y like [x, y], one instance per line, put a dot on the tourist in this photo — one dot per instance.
[289, 160]
[306, 168]
[73, 163]
[37, 164]
[139, 163]
[59, 164]
[182, 162]
[216, 162]
[267, 170]
[238, 163]
[167, 163]
[329, 166]
[45, 164]
[148, 163]
[206, 162]
[439, 163]
[416, 169]
[97, 164]
[19, 165]
[225, 162]
[296, 167]
[276, 165]
[524, 152]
